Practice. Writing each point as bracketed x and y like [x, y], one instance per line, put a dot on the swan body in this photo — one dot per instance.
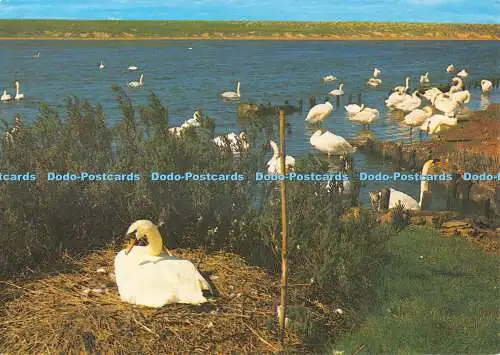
[192, 122]
[408, 201]
[458, 84]
[274, 164]
[330, 143]
[374, 82]
[446, 104]
[424, 78]
[237, 143]
[328, 78]
[137, 84]
[461, 96]
[396, 98]
[438, 123]
[231, 95]
[146, 275]
[376, 72]
[463, 73]
[352, 109]
[409, 103]
[5, 96]
[319, 112]
[132, 68]
[403, 88]
[36, 55]
[366, 116]
[450, 69]
[418, 116]
[430, 94]
[18, 96]
[337, 92]
[486, 86]
[101, 66]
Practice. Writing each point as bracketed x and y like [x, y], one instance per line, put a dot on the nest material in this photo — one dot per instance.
[70, 312]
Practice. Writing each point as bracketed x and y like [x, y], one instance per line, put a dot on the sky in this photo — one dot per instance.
[460, 11]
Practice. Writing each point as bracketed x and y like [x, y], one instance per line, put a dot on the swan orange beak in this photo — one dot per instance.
[131, 244]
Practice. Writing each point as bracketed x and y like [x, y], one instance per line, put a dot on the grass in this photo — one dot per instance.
[112, 29]
[439, 295]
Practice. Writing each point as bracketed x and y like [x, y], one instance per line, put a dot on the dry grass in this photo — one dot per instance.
[54, 314]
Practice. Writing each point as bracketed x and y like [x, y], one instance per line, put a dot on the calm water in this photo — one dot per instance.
[187, 80]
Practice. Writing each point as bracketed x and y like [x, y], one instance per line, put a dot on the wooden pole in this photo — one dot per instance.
[284, 265]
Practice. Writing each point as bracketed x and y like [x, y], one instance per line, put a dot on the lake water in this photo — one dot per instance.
[275, 71]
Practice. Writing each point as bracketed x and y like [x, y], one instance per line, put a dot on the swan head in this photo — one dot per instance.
[147, 231]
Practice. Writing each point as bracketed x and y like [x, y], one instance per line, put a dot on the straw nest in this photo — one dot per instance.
[80, 311]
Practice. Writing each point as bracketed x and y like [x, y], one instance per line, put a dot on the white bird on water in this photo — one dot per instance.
[401, 88]
[101, 66]
[374, 82]
[417, 117]
[424, 78]
[486, 86]
[438, 123]
[337, 92]
[18, 96]
[231, 95]
[450, 69]
[330, 143]
[137, 84]
[274, 164]
[366, 116]
[5, 96]
[319, 112]
[150, 276]
[376, 72]
[352, 109]
[132, 68]
[463, 73]
[329, 78]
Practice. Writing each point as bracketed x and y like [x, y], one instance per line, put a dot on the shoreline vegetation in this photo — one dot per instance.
[241, 30]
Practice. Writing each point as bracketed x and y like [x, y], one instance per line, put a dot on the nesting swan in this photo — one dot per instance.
[149, 276]
[330, 143]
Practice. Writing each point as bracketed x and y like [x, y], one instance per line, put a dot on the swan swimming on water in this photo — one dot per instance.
[376, 72]
[329, 78]
[5, 96]
[18, 96]
[150, 276]
[337, 92]
[101, 66]
[132, 68]
[231, 95]
[374, 82]
[486, 86]
[137, 84]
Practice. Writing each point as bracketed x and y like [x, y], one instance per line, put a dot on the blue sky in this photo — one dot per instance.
[465, 11]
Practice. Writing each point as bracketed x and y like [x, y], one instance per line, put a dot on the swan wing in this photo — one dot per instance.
[408, 201]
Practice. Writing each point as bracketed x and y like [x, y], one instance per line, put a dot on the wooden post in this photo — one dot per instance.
[284, 266]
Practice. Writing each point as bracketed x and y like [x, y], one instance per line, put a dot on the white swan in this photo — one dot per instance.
[330, 143]
[352, 109]
[396, 97]
[319, 112]
[18, 96]
[36, 55]
[461, 96]
[403, 88]
[366, 116]
[417, 117]
[450, 69]
[5, 97]
[424, 78]
[376, 72]
[409, 103]
[132, 68]
[137, 84]
[438, 123]
[395, 196]
[446, 103]
[337, 92]
[463, 73]
[147, 276]
[231, 94]
[328, 78]
[374, 82]
[431, 93]
[486, 86]
[237, 143]
[274, 164]
[192, 122]
[101, 66]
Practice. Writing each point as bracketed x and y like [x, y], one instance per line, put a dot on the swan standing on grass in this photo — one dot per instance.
[148, 276]
[367, 116]
[231, 95]
[237, 143]
[318, 113]
[331, 144]
[5, 97]
[101, 66]
[274, 164]
[337, 92]
[409, 202]
[18, 96]
[438, 123]
[137, 84]
[353, 109]
[374, 82]
[463, 73]
[329, 78]
[450, 69]
[132, 68]
[424, 78]
[486, 86]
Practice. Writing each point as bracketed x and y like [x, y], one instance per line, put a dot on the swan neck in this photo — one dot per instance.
[155, 246]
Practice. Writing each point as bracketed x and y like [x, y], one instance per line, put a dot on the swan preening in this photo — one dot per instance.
[417, 117]
[352, 109]
[5, 96]
[328, 78]
[486, 86]
[274, 164]
[366, 116]
[330, 143]
[392, 197]
[137, 84]
[237, 143]
[319, 112]
[337, 92]
[18, 96]
[149, 276]
[438, 123]
[231, 94]
[396, 98]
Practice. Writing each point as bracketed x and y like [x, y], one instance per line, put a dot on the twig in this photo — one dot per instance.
[146, 328]
[261, 338]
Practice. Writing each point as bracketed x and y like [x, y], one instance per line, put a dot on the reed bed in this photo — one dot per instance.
[57, 313]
